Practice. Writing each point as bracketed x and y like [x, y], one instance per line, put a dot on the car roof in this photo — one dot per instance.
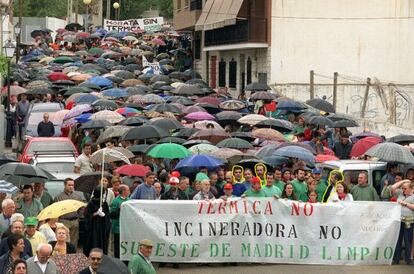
[48, 139]
[38, 107]
[66, 158]
[349, 163]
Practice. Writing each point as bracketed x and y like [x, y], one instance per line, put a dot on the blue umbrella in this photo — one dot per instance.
[295, 152]
[199, 160]
[86, 99]
[290, 105]
[115, 93]
[83, 118]
[100, 81]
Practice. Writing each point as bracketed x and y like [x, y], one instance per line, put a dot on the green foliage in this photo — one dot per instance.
[41, 8]
[3, 65]
[133, 8]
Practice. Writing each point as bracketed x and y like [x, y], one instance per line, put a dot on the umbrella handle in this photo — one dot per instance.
[102, 176]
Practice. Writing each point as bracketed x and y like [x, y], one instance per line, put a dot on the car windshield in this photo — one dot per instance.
[44, 146]
[56, 167]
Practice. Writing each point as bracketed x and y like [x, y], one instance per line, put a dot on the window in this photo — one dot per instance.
[196, 5]
[232, 73]
[178, 5]
[222, 73]
[197, 45]
[187, 4]
[249, 71]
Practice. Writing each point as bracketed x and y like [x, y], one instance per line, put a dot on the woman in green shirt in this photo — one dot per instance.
[288, 192]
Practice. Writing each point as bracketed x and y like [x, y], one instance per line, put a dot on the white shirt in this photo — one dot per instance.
[83, 163]
[334, 198]
[42, 266]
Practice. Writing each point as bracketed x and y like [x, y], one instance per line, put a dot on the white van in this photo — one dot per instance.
[351, 169]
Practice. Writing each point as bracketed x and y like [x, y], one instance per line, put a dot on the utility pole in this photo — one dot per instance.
[335, 89]
[312, 84]
[108, 9]
[364, 102]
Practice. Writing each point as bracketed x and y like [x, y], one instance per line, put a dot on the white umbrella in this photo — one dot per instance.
[252, 119]
[108, 115]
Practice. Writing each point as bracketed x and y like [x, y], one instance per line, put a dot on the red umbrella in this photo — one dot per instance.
[133, 170]
[361, 146]
[209, 100]
[83, 35]
[55, 76]
[320, 158]
[158, 41]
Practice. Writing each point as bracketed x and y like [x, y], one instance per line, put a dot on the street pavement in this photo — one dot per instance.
[283, 269]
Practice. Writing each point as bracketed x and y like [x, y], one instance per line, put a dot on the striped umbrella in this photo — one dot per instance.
[391, 152]
[6, 187]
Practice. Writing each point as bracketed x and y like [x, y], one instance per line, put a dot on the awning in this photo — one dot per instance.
[218, 13]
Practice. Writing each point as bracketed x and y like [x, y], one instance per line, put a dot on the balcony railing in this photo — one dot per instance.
[254, 30]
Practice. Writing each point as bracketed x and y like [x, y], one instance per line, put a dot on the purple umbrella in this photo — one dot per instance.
[356, 137]
[199, 116]
[77, 110]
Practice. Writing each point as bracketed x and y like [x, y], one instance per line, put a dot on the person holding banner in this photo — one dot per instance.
[404, 191]
[141, 263]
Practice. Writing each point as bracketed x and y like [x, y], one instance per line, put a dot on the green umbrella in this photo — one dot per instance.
[169, 151]
[63, 60]
[96, 51]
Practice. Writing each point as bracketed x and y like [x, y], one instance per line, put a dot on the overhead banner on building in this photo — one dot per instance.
[146, 24]
[262, 231]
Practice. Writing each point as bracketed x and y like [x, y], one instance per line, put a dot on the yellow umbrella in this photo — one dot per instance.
[60, 208]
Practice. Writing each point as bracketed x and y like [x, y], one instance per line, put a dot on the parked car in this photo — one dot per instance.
[46, 146]
[35, 116]
[59, 164]
[351, 169]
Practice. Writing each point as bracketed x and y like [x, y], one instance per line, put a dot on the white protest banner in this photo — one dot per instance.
[262, 231]
[148, 24]
[154, 65]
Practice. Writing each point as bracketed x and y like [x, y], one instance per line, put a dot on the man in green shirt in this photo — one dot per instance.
[321, 184]
[114, 213]
[299, 185]
[40, 193]
[255, 190]
[29, 206]
[270, 189]
[140, 263]
[278, 179]
[363, 191]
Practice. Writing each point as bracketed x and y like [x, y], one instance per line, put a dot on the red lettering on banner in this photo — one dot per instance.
[268, 209]
[245, 206]
[200, 207]
[233, 206]
[307, 209]
[256, 203]
[210, 209]
[222, 208]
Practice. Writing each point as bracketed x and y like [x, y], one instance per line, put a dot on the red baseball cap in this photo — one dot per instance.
[174, 181]
[255, 180]
[228, 186]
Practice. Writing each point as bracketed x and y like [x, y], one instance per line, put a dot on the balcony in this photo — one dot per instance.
[251, 31]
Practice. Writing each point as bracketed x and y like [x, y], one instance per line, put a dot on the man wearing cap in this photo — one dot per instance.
[343, 147]
[175, 192]
[256, 190]
[114, 213]
[321, 184]
[228, 192]
[35, 237]
[141, 263]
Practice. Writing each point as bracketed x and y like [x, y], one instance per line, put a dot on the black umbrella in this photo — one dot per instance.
[73, 90]
[144, 132]
[185, 132]
[110, 265]
[278, 124]
[167, 124]
[235, 143]
[402, 139]
[188, 90]
[243, 135]
[339, 116]
[36, 33]
[95, 124]
[172, 140]
[165, 107]
[320, 121]
[22, 169]
[6, 159]
[160, 78]
[40, 91]
[88, 181]
[275, 160]
[102, 104]
[228, 116]
[257, 87]
[74, 27]
[134, 121]
[177, 75]
[192, 74]
[124, 74]
[90, 86]
[345, 123]
[115, 79]
[159, 84]
[263, 95]
[196, 81]
[145, 89]
[191, 143]
[181, 100]
[321, 105]
[251, 164]
[139, 149]
[135, 91]
[212, 109]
